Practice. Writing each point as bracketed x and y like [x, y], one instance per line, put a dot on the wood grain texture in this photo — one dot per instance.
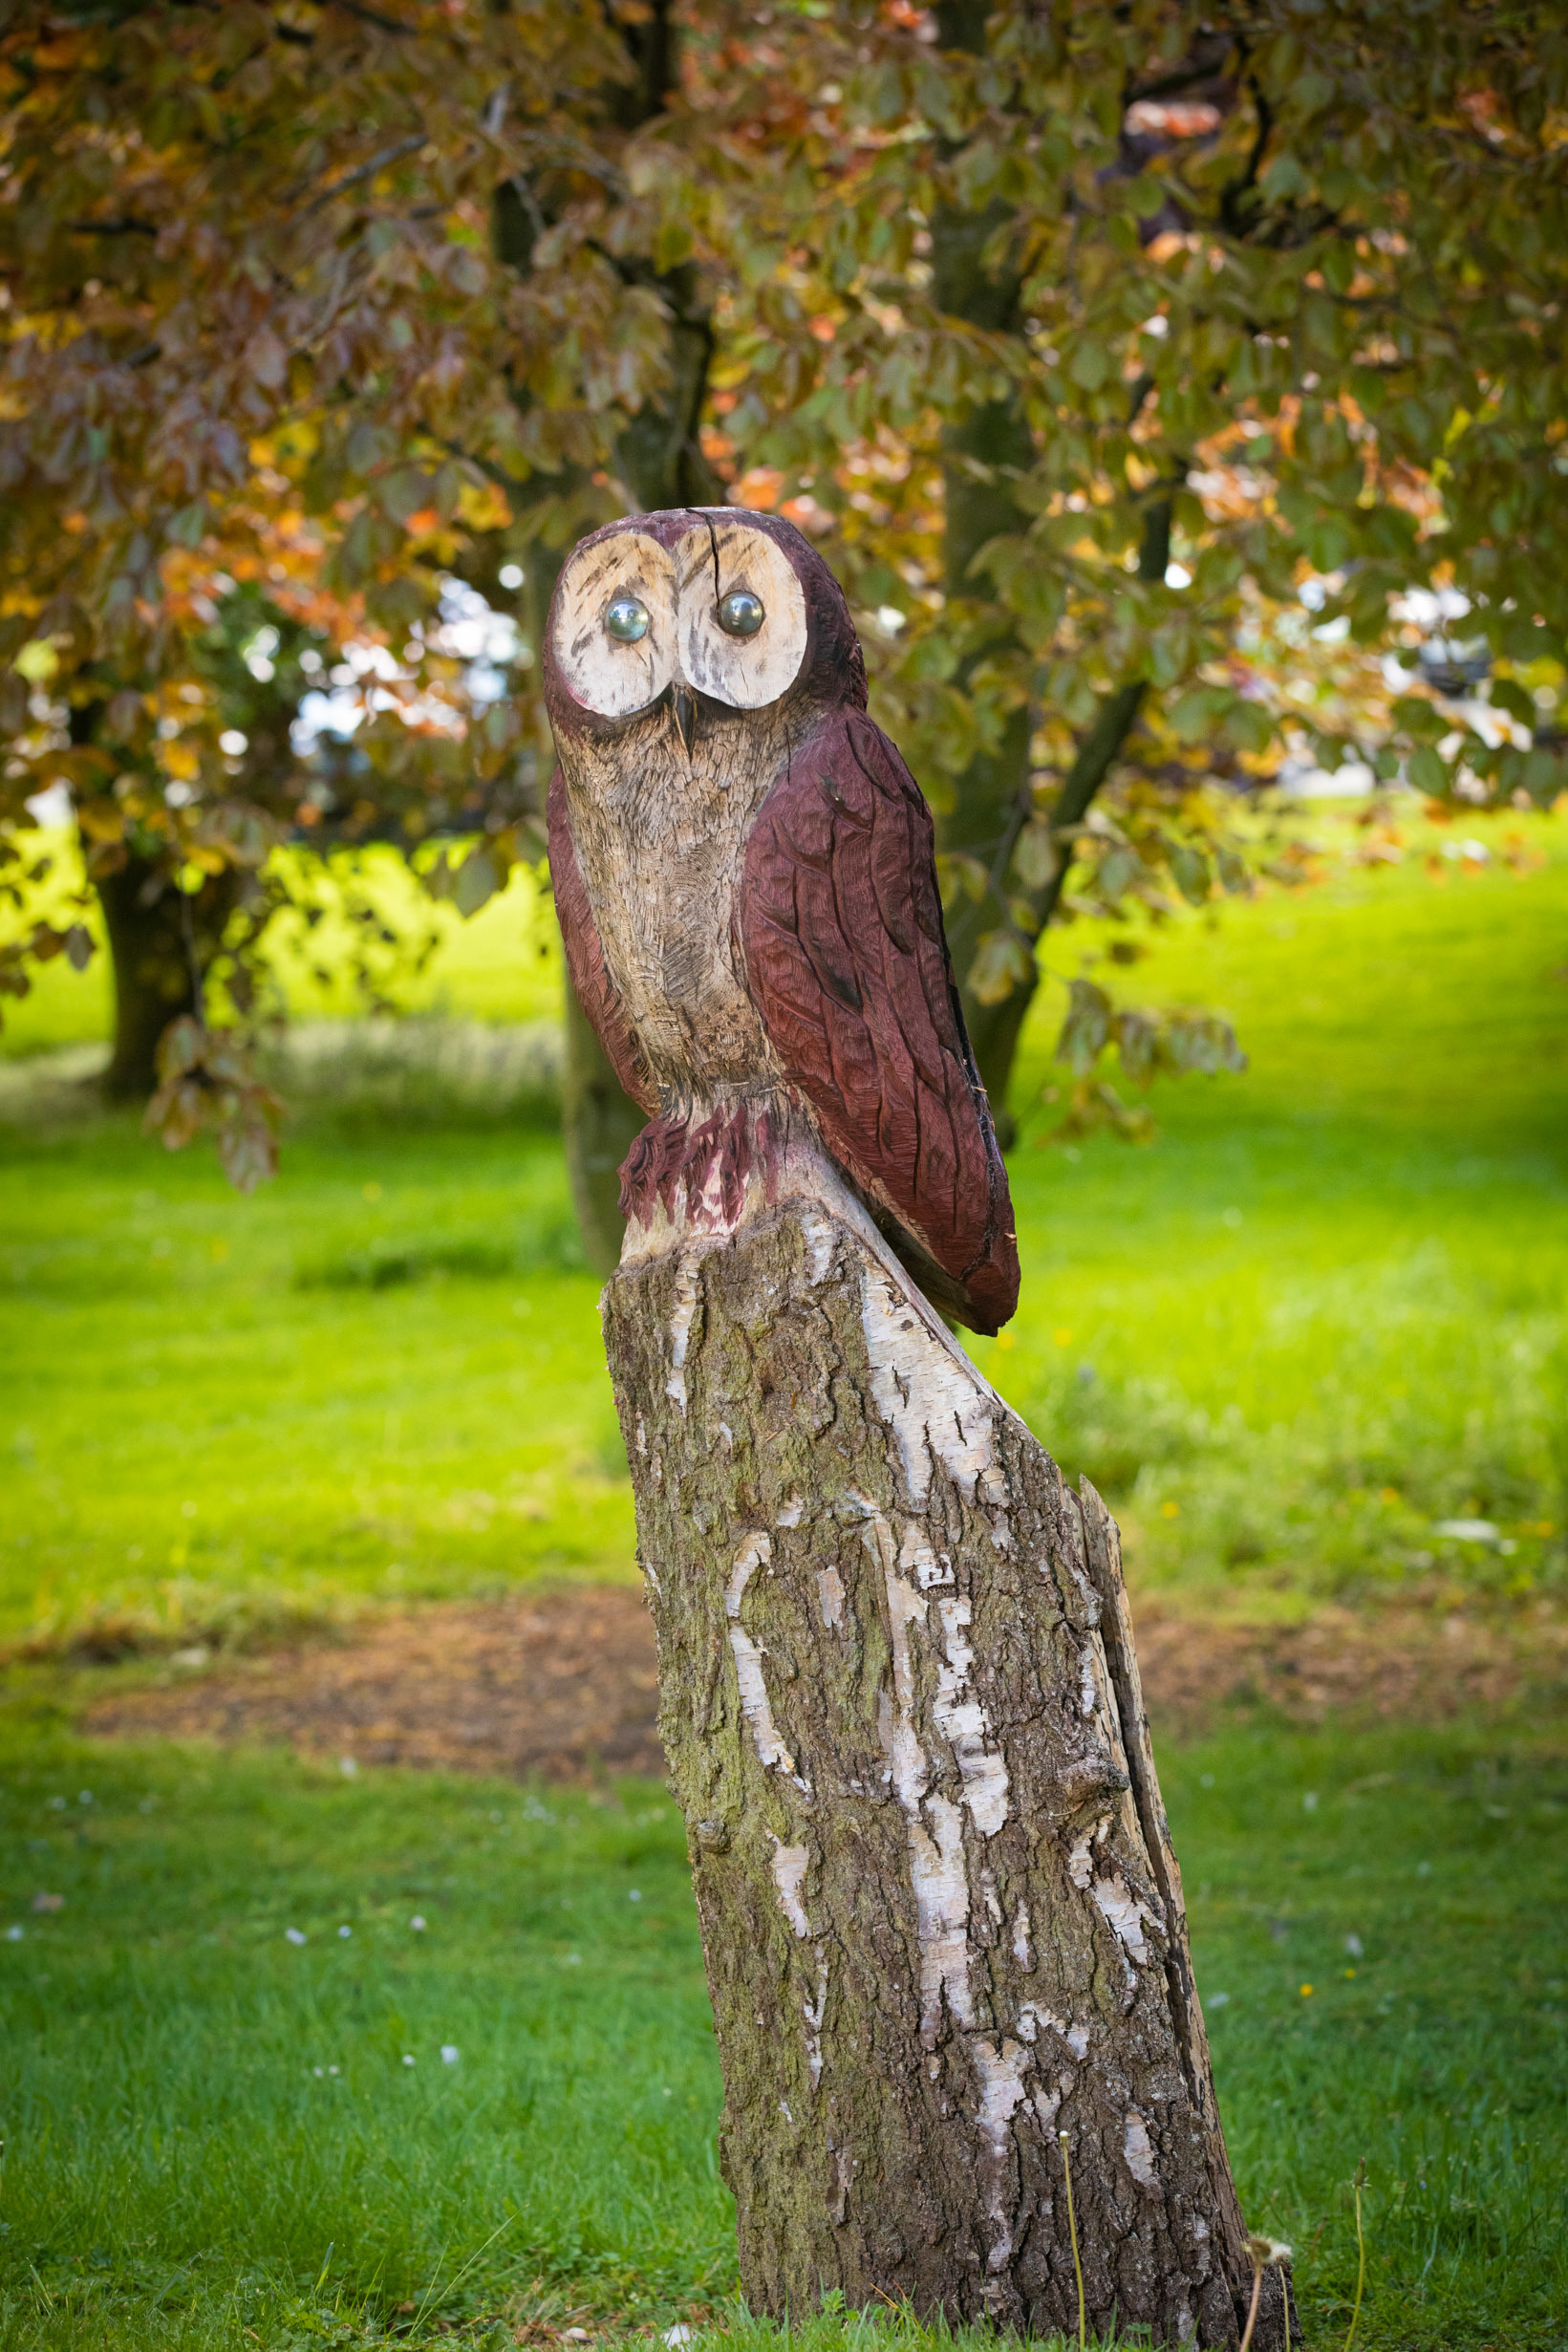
[840, 925]
[606, 675]
[720, 554]
[586, 967]
[749, 905]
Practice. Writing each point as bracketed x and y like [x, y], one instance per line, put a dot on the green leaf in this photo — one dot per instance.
[1137, 1044]
[1194, 714]
[267, 359]
[1250, 725]
[957, 871]
[1091, 366]
[466, 270]
[1511, 697]
[1417, 717]
[1202, 1042]
[1036, 858]
[1119, 869]
[187, 528]
[1283, 180]
[1003, 961]
[1190, 870]
[404, 492]
[1085, 1029]
[477, 882]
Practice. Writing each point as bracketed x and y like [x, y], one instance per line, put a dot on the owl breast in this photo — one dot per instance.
[660, 838]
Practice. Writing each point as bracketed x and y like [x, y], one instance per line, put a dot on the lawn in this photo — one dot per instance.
[1318, 1321]
[214, 2134]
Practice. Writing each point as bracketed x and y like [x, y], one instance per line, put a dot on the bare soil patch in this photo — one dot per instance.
[554, 1683]
[562, 1684]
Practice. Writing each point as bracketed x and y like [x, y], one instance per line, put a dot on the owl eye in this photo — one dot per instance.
[613, 622]
[628, 619]
[740, 613]
[744, 644]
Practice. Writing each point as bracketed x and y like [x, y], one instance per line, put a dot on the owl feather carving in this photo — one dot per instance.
[746, 876]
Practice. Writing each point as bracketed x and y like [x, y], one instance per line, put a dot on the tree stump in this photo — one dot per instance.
[941, 1918]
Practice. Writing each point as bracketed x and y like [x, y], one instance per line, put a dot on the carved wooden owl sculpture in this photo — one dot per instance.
[745, 879]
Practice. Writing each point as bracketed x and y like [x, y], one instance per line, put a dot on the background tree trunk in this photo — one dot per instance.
[599, 1125]
[145, 919]
[983, 454]
[941, 1917]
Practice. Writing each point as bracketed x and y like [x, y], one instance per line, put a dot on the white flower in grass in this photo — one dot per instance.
[14, 1934]
[416, 1923]
[345, 1931]
[1266, 2252]
[408, 2058]
[295, 1935]
[449, 2053]
[634, 1894]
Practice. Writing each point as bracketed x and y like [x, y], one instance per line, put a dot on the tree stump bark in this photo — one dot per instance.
[941, 1917]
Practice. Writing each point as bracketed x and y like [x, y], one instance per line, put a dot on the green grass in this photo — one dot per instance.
[1324, 1314]
[1326, 1309]
[178, 2169]
[231, 1405]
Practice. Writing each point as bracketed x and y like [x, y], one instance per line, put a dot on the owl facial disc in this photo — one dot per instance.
[614, 633]
[740, 613]
[722, 613]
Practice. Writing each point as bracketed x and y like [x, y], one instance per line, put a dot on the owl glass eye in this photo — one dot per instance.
[740, 613]
[627, 619]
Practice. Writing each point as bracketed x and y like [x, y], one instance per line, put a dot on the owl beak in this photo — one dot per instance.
[683, 711]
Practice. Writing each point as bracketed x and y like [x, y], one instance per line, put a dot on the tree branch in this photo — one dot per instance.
[1113, 723]
[367, 169]
[370, 16]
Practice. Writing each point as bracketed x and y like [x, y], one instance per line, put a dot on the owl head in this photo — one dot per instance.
[692, 618]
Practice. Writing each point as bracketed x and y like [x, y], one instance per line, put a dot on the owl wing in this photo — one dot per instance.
[839, 928]
[586, 967]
